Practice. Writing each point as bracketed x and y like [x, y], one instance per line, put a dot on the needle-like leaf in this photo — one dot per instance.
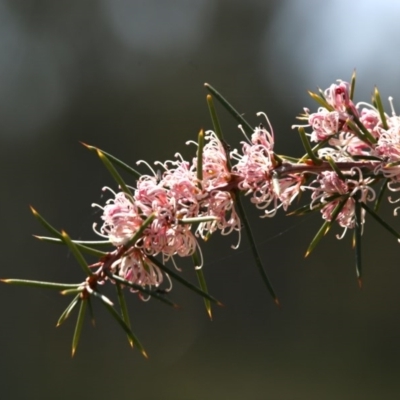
[78, 327]
[115, 161]
[202, 281]
[183, 281]
[214, 116]
[239, 117]
[380, 220]
[68, 310]
[200, 148]
[133, 340]
[307, 147]
[379, 106]
[357, 241]
[117, 177]
[40, 284]
[254, 249]
[124, 309]
[379, 198]
[81, 247]
[77, 254]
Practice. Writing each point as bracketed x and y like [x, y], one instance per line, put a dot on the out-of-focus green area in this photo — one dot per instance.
[127, 76]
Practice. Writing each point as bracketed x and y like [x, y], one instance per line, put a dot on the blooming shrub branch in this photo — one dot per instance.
[168, 214]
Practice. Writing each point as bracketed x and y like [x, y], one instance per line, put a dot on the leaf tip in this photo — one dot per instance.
[145, 354]
[34, 212]
[277, 302]
[360, 283]
[88, 146]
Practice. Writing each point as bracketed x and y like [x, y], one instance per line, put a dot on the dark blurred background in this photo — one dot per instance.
[127, 76]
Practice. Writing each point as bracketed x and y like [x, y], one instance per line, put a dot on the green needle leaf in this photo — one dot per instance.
[367, 137]
[321, 232]
[308, 148]
[133, 340]
[54, 231]
[115, 161]
[196, 220]
[254, 249]
[214, 118]
[202, 282]
[335, 168]
[79, 245]
[95, 243]
[200, 158]
[183, 281]
[379, 106]
[78, 327]
[71, 291]
[357, 240]
[40, 284]
[380, 220]
[246, 126]
[117, 177]
[77, 254]
[124, 309]
[326, 226]
[379, 198]
[68, 310]
[352, 85]
[100, 296]
[321, 101]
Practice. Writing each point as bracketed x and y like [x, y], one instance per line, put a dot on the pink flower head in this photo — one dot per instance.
[136, 268]
[169, 199]
[337, 95]
[324, 124]
[215, 168]
[121, 218]
[370, 118]
[256, 171]
[255, 167]
[331, 189]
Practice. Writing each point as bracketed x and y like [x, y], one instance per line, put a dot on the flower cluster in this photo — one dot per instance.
[177, 197]
[359, 141]
[358, 145]
[167, 213]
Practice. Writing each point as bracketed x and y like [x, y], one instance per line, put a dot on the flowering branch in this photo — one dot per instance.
[350, 149]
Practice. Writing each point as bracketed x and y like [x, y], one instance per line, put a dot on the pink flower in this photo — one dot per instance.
[255, 167]
[370, 118]
[136, 268]
[324, 124]
[338, 96]
[121, 218]
[330, 189]
[215, 168]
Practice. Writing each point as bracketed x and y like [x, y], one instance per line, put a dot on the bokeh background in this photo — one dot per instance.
[128, 76]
